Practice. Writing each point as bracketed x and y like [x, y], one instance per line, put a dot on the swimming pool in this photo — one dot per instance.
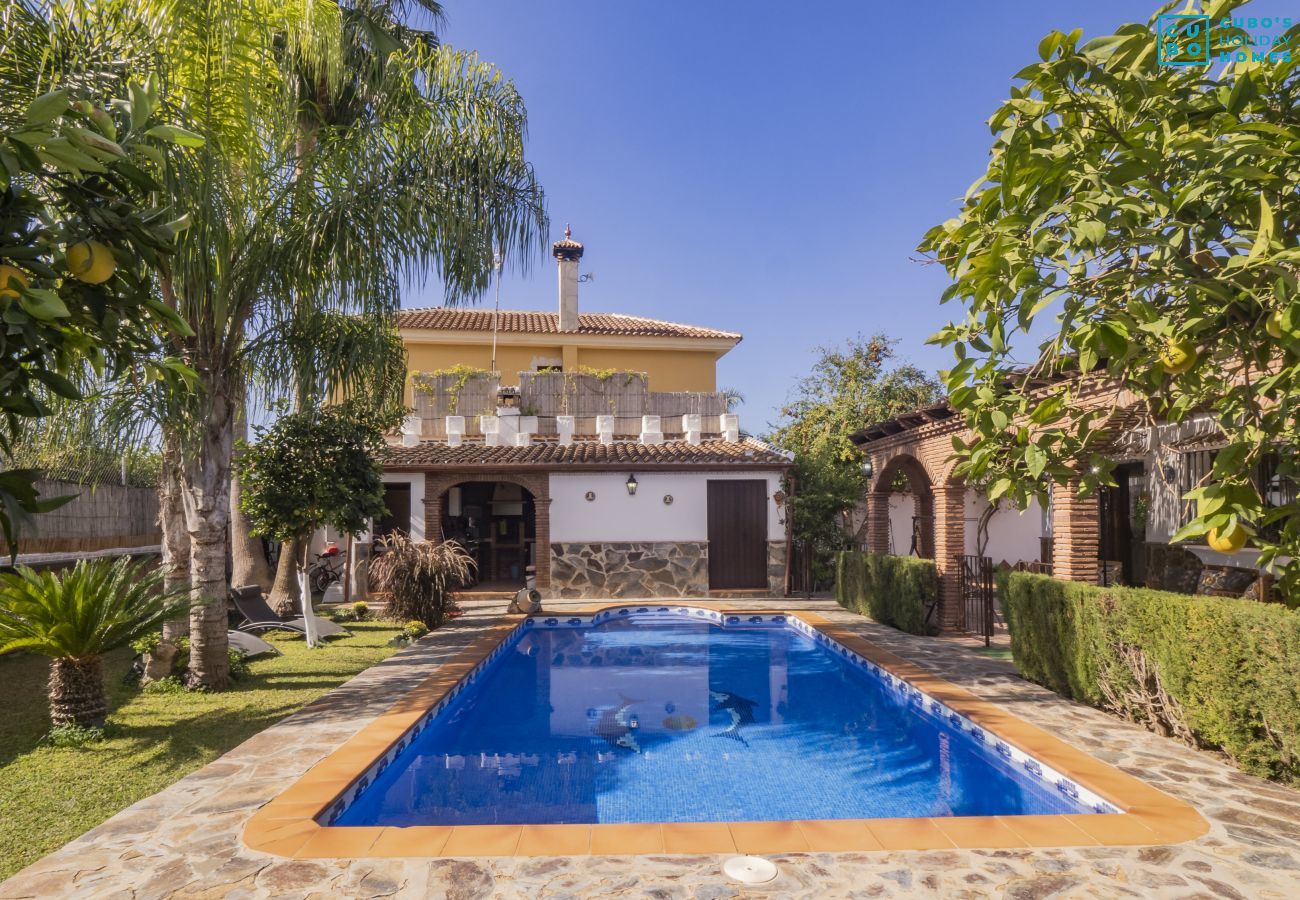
[669, 714]
[699, 728]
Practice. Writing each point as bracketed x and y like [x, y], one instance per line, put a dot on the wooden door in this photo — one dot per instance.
[397, 497]
[737, 535]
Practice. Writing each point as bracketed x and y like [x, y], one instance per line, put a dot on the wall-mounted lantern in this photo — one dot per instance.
[631, 485]
[779, 499]
[866, 470]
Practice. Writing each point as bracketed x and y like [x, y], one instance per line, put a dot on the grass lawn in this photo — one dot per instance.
[996, 652]
[50, 795]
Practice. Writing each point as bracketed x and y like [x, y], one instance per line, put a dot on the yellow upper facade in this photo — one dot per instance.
[675, 357]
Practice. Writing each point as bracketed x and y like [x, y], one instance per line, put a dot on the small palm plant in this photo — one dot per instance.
[75, 618]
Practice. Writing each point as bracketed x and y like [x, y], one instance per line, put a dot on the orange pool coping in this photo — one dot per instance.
[288, 826]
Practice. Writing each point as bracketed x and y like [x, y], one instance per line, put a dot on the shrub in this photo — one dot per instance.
[169, 685]
[1217, 672]
[893, 590]
[239, 668]
[415, 629]
[360, 610]
[71, 735]
[420, 577]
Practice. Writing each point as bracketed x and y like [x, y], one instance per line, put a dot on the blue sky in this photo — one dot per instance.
[762, 167]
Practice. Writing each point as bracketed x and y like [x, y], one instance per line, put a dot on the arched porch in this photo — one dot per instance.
[939, 524]
[510, 529]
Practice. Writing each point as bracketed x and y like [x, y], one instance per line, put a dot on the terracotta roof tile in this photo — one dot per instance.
[745, 452]
[535, 322]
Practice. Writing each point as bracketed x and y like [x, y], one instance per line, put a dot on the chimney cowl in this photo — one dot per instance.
[567, 249]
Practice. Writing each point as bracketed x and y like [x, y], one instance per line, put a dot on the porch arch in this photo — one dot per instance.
[436, 485]
[907, 468]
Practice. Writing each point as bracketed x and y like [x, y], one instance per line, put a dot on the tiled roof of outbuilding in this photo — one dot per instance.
[441, 318]
[745, 452]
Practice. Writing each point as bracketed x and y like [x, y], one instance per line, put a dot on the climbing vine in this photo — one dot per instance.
[432, 382]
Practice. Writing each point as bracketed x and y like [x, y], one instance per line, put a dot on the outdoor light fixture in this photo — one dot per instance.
[779, 499]
[866, 470]
[631, 485]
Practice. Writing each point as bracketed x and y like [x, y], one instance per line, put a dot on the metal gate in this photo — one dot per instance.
[975, 575]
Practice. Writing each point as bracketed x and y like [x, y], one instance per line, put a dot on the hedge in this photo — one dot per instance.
[1217, 672]
[895, 590]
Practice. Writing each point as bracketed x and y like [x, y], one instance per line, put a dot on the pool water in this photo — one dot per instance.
[675, 720]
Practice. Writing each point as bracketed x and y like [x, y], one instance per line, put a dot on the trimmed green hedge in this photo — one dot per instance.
[895, 590]
[1217, 672]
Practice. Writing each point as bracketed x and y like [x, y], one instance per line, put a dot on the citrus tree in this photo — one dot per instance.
[313, 469]
[1145, 218]
[324, 182]
[850, 386]
[82, 235]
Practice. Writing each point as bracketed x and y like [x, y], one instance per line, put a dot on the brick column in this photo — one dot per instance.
[542, 546]
[949, 543]
[432, 509]
[877, 521]
[1075, 534]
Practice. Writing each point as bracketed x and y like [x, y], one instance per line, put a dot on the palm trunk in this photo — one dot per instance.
[175, 537]
[77, 692]
[248, 556]
[286, 592]
[206, 482]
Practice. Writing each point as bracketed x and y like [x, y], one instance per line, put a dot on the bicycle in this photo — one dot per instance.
[326, 570]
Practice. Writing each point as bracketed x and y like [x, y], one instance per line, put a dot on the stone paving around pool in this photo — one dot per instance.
[185, 840]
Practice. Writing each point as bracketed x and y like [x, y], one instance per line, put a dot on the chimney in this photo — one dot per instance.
[567, 253]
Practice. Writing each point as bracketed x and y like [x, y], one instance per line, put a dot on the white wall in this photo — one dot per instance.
[1013, 534]
[616, 516]
[902, 507]
[416, 481]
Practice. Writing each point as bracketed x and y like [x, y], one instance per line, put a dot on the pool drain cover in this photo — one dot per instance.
[749, 869]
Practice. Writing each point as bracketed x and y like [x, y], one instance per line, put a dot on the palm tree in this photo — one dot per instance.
[75, 618]
[424, 177]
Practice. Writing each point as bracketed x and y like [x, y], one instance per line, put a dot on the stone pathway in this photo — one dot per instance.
[184, 841]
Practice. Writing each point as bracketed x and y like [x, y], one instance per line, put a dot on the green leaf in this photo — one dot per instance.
[1091, 231]
[1035, 460]
[44, 304]
[57, 383]
[47, 107]
[1265, 236]
[174, 134]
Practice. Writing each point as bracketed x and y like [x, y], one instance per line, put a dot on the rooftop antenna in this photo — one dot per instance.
[496, 308]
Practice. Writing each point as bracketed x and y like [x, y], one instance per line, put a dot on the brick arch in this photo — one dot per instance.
[436, 485]
[922, 490]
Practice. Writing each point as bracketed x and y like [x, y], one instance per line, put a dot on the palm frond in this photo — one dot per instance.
[95, 607]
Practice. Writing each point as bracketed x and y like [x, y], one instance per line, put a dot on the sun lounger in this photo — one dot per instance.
[258, 615]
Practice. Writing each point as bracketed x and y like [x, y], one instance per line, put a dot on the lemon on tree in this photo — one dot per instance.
[91, 262]
[1227, 540]
[1273, 324]
[1178, 356]
[11, 280]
